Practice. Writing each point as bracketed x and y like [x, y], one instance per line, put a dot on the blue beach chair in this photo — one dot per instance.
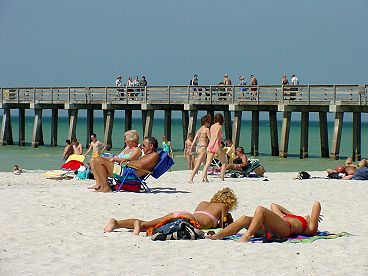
[129, 181]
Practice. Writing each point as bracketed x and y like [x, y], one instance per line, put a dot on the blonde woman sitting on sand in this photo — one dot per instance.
[215, 147]
[203, 136]
[207, 214]
[277, 222]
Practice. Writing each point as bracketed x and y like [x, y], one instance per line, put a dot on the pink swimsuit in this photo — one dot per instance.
[214, 219]
[213, 146]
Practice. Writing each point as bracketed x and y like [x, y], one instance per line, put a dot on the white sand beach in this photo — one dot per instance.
[51, 227]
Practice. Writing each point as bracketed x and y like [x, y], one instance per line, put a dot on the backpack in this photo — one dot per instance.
[176, 229]
[304, 175]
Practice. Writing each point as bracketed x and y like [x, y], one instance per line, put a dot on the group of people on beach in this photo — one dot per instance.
[208, 144]
[276, 222]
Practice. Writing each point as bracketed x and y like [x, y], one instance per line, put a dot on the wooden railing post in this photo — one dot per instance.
[168, 89]
[211, 95]
[17, 95]
[69, 95]
[258, 92]
[105, 94]
[309, 95]
[233, 96]
[334, 96]
[34, 94]
[282, 94]
[145, 94]
[52, 95]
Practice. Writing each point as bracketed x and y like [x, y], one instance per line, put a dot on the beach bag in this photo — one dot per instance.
[260, 170]
[303, 175]
[176, 229]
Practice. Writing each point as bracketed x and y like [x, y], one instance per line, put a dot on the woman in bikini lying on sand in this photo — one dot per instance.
[277, 222]
[207, 214]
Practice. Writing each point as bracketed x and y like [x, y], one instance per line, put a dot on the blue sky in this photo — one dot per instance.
[86, 43]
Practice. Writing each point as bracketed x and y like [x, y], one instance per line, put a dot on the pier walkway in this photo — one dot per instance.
[231, 100]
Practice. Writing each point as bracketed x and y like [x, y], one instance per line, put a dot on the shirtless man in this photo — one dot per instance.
[103, 168]
[77, 147]
[95, 147]
[68, 150]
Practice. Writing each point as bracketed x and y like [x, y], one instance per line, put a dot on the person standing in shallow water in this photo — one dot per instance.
[166, 146]
[68, 150]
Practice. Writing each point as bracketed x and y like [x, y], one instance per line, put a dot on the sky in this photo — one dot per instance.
[90, 42]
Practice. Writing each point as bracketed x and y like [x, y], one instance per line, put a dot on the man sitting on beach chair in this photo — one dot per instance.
[242, 166]
[103, 168]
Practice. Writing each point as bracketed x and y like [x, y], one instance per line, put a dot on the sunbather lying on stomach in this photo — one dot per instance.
[103, 168]
[206, 215]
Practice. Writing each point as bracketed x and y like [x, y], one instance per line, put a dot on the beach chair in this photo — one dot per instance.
[255, 169]
[129, 181]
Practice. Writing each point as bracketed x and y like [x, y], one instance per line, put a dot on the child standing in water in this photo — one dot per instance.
[166, 146]
[189, 151]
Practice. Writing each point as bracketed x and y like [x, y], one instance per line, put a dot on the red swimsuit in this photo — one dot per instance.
[302, 220]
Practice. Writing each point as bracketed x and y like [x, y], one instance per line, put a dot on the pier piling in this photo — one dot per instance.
[22, 127]
[304, 130]
[109, 123]
[285, 132]
[128, 119]
[254, 143]
[54, 127]
[336, 138]
[73, 117]
[236, 127]
[323, 134]
[37, 136]
[90, 116]
[357, 136]
[272, 115]
[6, 129]
[167, 123]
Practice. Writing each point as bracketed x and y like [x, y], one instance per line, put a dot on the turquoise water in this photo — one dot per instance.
[46, 157]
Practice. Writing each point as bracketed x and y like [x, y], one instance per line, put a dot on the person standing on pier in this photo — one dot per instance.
[253, 81]
[118, 81]
[242, 81]
[215, 147]
[95, 147]
[294, 81]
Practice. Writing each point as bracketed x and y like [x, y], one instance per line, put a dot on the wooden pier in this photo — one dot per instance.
[231, 100]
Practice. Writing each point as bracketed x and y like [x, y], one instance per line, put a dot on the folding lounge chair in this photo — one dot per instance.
[129, 181]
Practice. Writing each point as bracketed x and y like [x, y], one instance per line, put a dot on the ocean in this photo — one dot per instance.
[47, 158]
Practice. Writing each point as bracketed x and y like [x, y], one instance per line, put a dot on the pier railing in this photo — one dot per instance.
[203, 94]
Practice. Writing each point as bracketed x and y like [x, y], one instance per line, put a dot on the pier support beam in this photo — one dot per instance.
[6, 130]
[304, 130]
[357, 136]
[37, 136]
[22, 127]
[73, 117]
[149, 123]
[272, 115]
[192, 122]
[128, 119]
[185, 123]
[323, 130]
[285, 132]
[54, 127]
[227, 122]
[167, 124]
[254, 144]
[109, 123]
[212, 113]
[236, 127]
[336, 138]
[144, 117]
[90, 117]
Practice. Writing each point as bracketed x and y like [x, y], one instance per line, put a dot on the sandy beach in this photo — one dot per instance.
[51, 227]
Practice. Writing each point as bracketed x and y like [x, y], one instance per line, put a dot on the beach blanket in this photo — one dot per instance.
[325, 235]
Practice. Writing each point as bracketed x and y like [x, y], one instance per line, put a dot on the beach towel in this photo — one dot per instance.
[325, 235]
[76, 157]
[72, 165]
